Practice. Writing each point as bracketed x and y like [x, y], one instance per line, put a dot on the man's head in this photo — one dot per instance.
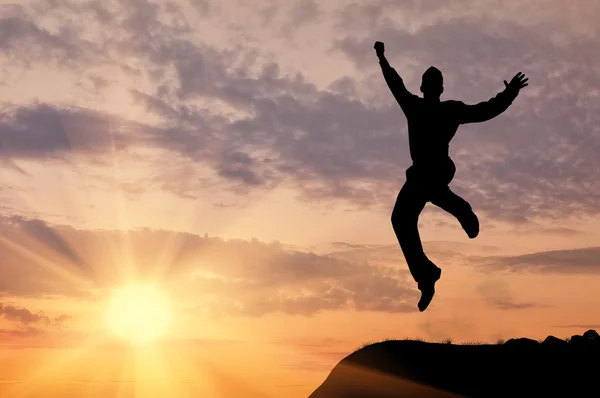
[432, 84]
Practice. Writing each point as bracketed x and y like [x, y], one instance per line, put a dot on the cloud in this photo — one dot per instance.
[306, 137]
[245, 278]
[239, 166]
[438, 251]
[582, 326]
[348, 246]
[203, 6]
[233, 278]
[510, 305]
[252, 278]
[21, 315]
[19, 31]
[40, 231]
[303, 13]
[28, 324]
[38, 260]
[21, 332]
[573, 261]
[535, 160]
[43, 130]
[234, 116]
[62, 318]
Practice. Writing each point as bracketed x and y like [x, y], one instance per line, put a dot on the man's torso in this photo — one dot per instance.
[431, 127]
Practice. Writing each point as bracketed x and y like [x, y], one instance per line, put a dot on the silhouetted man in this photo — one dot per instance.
[431, 125]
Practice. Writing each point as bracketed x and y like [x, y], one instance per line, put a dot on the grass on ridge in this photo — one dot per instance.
[447, 340]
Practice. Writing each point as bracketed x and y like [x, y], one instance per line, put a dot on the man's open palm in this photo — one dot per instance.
[518, 82]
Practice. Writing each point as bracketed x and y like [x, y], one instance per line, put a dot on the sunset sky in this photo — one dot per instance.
[242, 158]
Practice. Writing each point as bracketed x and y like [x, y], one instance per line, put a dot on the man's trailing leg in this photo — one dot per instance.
[405, 218]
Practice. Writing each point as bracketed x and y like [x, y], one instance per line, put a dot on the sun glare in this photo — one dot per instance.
[139, 313]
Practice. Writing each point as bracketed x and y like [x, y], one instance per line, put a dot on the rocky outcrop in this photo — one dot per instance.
[521, 367]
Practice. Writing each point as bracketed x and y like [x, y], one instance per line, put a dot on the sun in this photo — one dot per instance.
[139, 313]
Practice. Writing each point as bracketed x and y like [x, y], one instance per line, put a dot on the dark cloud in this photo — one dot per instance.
[264, 128]
[537, 159]
[43, 130]
[318, 138]
[19, 32]
[204, 7]
[240, 166]
[303, 13]
[309, 135]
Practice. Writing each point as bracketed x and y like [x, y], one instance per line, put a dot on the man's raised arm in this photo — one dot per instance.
[393, 80]
[487, 110]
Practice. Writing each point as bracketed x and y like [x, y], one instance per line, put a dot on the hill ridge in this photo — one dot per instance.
[520, 367]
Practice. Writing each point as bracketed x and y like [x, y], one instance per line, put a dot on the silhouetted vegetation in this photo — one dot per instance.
[519, 367]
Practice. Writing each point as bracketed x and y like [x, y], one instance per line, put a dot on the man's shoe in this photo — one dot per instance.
[427, 288]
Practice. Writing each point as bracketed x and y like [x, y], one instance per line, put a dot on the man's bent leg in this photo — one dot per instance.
[459, 208]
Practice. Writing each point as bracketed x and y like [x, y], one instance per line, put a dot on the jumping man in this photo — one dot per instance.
[432, 124]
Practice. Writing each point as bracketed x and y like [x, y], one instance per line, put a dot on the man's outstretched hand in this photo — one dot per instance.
[379, 48]
[517, 83]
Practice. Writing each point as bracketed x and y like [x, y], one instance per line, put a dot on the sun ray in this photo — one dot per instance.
[173, 245]
[30, 199]
[45, 263]
[228, 384]
[124, 242]
[199, 368]
[46, 369]
[125, 382]
[150, 366]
